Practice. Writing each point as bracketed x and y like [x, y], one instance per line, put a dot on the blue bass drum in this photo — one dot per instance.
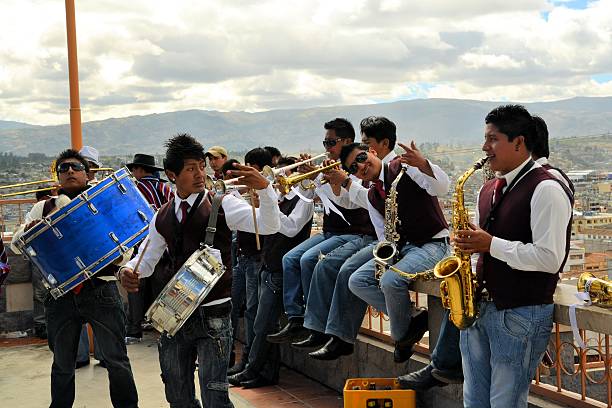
[94, 229]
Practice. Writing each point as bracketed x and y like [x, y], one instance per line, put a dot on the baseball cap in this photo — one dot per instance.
[217, 151]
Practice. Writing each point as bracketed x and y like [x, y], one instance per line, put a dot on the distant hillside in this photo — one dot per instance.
[7, 124]
[449, 121]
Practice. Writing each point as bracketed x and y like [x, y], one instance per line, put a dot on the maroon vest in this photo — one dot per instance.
[193, 234]
[419, 213]
[569, 182]
[510, 220]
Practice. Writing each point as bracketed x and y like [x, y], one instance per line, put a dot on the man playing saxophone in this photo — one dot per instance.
[521, 233]
[422, 233]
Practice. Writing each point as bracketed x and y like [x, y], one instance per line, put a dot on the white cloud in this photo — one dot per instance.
[145, 56]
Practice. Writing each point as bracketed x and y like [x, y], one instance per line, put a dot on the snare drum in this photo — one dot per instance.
[185, 291]
[94, 229]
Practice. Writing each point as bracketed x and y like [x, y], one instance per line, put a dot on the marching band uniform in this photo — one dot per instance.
[97, 302]
[207, 334]
[423, 242]
[530, 225]
[264, 358]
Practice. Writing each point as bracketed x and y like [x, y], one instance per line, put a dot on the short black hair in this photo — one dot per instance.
[42, 194]
[228, 165]
[379, 128]
[347, 149]
[258, 156]
[343, 128]
[274, 152]
[540, 144]
[71, 154]
[286, 161]
[513, 121]
[180, 148]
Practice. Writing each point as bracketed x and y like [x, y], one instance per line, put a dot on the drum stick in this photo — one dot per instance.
[252, 193]
[140, 256]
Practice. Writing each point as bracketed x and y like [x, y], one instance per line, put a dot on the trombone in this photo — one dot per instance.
[53, 179]
[270, 173]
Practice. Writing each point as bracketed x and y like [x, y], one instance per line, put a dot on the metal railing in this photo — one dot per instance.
[567, 374]
[12, 215]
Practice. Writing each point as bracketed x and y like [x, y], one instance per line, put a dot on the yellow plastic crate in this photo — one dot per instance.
[377, 393]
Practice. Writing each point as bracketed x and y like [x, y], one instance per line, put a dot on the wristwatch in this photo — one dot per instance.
[345, 182]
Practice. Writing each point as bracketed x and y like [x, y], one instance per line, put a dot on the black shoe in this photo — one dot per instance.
[236, 368]
[80, 364]
[420, 380]
[334, 349]
[315, 340]
[40, 332]
[448, 376]
[294, 331]
[416, 331]
[258, 382]
[237, 379]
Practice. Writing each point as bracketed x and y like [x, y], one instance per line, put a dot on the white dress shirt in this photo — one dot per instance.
[550, 213]
[238, 215]
[390, 156]
[434, 186]
[292, 224]
[542, 161]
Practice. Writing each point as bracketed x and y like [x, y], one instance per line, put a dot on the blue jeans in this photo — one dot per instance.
[245, 282]
[264, 357]
[100, 305]
[501, 352]
[299, 264]
[332, 308]
[392, 297]
[446, 355]
[207, 336]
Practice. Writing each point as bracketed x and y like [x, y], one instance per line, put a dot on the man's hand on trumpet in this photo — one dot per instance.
[307, 167]
[249, 176]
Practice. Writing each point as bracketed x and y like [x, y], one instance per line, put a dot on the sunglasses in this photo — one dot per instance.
[331, 142]
[360, 158]
[63, 168]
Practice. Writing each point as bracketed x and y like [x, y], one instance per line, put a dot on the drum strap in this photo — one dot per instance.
[212, 220]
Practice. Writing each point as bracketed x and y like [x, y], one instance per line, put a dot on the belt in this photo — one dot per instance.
[443, 239]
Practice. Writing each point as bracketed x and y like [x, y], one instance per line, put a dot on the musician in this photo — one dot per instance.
[247, 269]
[275, 153]
[422, 229]
[332, 310]
[93, 159]
[5, 268]
[343, 222]
[379, 133]
[180, 226]
[95, 301]
[521, 233]
[541, 152]
[295, 223]
[217, 156]
[157, 193]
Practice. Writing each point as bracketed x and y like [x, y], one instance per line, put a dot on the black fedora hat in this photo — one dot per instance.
[144, 160]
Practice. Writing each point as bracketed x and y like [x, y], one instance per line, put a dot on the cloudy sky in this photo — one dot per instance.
[146, 56]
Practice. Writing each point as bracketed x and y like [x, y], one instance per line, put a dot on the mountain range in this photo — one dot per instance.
[445, 121]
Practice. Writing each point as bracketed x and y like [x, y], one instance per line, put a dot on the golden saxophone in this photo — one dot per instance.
[600, 290]
[385, 252]
[458, 289]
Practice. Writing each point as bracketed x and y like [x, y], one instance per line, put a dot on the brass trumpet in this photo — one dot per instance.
[286, 182]
[270, 173]
[53, 179]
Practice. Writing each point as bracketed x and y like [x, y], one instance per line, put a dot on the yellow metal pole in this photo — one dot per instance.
[76, 134]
